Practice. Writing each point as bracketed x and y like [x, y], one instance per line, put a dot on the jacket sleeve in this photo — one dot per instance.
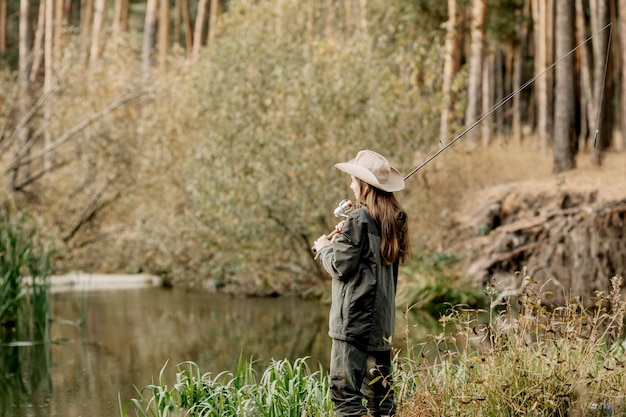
[341, 260]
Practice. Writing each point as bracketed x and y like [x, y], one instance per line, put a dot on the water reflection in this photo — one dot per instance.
[109, 342]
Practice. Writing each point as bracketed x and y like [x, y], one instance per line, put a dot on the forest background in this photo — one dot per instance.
[196, 140]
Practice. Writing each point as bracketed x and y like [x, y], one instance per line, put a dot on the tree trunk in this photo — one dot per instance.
[199, 27]
[587, 105]
[541, 19]
[212, 23]
[599, 10]
[24, 100]
[479, 8]
[518, 70]
[57, 44]
[3, 25]
[186, 22]
[622, 20]
[564, 139]
[487, 96]
[164, 31]
[49, 73]
[98, 23]
[86, 15]
[37, 53]
[450, 67]
[149, 30]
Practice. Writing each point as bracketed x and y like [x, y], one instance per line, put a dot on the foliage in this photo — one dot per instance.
[430, 283]
[261, 181]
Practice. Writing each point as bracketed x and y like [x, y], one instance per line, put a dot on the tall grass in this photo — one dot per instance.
[284, 389]
[24, 270]
[525, 359]
[515, 358]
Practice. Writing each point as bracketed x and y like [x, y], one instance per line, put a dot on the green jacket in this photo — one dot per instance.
[363, 308]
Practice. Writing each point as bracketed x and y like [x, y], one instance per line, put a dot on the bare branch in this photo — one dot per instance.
[20, 160]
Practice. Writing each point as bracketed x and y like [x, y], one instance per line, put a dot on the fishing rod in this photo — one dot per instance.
[344, 208]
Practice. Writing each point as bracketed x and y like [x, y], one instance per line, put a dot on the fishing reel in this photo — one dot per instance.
[344, 209]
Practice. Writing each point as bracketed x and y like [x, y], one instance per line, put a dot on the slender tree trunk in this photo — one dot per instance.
[24, 100]
[186, 18]
[199, 27]
[622, 21]
[213, 23]
[49, 72]
[542, 85]
[479, 8]
[603, 131]
[98, 24]
[86, 15]
[38, 42]
[518, 70]
[149, 31]
[564, 138]
[59, 23]
[164, 31]
[450, 67]
[3, 25]
[116, 28]
[498, 89]
[486, 96]
[587, 106]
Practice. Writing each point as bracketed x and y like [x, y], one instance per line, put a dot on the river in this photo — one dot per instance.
[106, 343]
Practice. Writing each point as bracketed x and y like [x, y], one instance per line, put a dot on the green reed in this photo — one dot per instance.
[284, 389]
[24, 270]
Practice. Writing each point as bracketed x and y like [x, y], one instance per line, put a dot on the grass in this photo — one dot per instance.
[283, 389]
[24, 269]
[514, 358]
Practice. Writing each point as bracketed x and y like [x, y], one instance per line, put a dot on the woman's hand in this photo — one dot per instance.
[327, 240]
[322, 242]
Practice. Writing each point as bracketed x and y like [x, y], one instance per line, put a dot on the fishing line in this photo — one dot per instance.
[509, 97]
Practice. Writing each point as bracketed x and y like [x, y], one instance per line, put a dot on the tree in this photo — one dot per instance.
[164, 31]
[4, 7]
[149, 30]
[542, 22]
[564, 97]
[622, 20]
[479, 10]
[452, 53]
[199, 28]
[98, 23]
[600, 17]
[24, 97]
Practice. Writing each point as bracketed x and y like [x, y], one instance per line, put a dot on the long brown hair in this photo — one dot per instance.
[392, 220]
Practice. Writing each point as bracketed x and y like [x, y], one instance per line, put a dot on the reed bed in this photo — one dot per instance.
[519, 357]
[24, 269]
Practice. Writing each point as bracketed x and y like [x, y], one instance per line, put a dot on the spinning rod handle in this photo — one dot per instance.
[328, 236]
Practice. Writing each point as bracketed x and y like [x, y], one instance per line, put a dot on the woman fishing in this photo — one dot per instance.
[362, 258]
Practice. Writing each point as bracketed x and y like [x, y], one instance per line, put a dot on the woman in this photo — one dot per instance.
[362, 259]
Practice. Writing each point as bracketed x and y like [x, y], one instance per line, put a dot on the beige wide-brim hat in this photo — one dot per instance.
[375, 170]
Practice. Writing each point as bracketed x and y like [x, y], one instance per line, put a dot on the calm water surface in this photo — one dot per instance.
[128, 336]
